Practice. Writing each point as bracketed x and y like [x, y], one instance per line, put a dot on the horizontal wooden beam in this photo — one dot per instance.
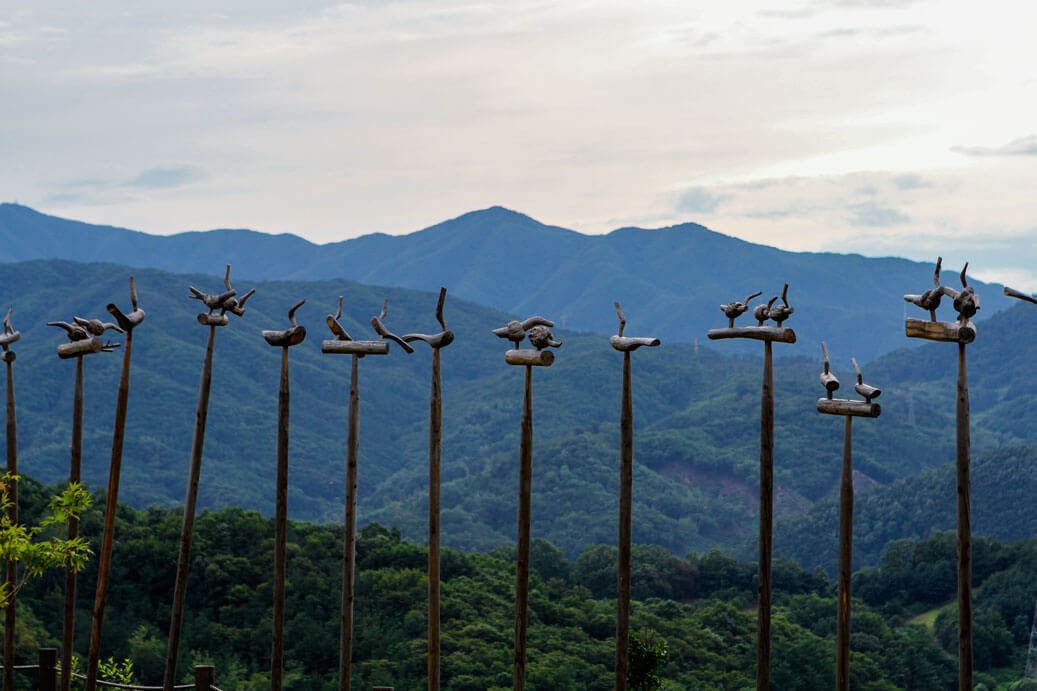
[780, 334]
[83, 347]
[355, 347]
[952, 332]
[627, 343]
[843, 406]
[528, 356]
[210, 319]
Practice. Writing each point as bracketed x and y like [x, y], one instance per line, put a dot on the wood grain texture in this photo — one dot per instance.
[529, 357]
[626, 344]
[355, 347]
[843, 406]
[67, 351]
[759, 333]
[949, 332]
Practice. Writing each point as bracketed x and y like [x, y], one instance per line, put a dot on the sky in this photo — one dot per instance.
[883, 127]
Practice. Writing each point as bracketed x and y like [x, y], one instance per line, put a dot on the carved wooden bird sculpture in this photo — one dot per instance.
[75, 332]
[869, 392]
[441, 339]
[379, 328]
[784, 310]
[966, 303]
[733, 310]
[930, 299]
[540, 336]
[335, 326]
[763, 312]
[828, 380]
[96, 327]
[515, 330]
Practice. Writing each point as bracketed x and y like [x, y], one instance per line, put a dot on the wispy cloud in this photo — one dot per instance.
[875, 215]
[1024, 146]
[167, 177]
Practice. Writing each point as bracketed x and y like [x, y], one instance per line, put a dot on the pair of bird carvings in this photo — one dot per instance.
[226, 301]
[845, 406]
[360, 348]
[761, 313]
[966, 301]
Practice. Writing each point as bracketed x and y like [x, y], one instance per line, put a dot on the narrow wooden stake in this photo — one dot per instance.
[10, 615]
[111, 506]
[48, 661]
[74, 475]
[434, 450]
[626, 481]
[280, 528]
[842, 655]
[964, 461]
[204, 677]
[763, 627]
[187, 530]
[349, 533]
[522, 557]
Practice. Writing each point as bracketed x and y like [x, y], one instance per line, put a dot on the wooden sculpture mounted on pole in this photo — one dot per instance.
[435, 436]
[283, 339]
[8, 337]
[962, 332]
[848, 408]
[344, 344]
[540, 336]
[84, 339]
[769, 335]
[625, 345]
[126, 322]
[218, 305]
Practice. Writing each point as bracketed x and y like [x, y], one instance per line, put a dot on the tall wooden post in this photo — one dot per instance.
[283, 339]
[962, 332]
[224, 302]
[849, 408]
[767, 334]
[344, 344]
[435, 435]
[84, 339]
[126, 322]
[8, 337]
[625, 345]
[540, 337]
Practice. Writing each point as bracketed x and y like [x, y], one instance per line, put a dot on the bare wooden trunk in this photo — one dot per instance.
[111, 506]
[280, 528]
[763, 627]
[626, 481]
[74, 475]
[434, 451]
[10, 616]
[187, 529]
[842, 654]
[964, 528]
[522, 552]
[349, 534]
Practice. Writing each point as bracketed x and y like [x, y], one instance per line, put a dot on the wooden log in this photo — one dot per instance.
[780, 334]
[843, 406]
[187, 529]
[74, 475]
[280, 527]
[210, 319]
[349, 532]
[763, 628]
[625, 344]
[355, 347]
[529, 357]
[623, 566]
[522, 549]
[286, 338]
[830, 382]
[953, 332]
[67, 351]
[842, 655]
[964, 461]
[10, 615]
[434, 450]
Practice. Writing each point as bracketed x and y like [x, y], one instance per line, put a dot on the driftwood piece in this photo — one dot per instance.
[529, 357]
[7, 339]
[952, 332]
[379, 328]
[127, 324]
[759, 333]
[1013, 293]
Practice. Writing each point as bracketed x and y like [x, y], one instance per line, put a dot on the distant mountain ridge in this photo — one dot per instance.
[671, 281]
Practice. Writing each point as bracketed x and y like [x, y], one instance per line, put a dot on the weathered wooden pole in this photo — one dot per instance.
[283, 339]
[625, 345]
[435, 436]
[540, 337]
[84, 339]
[962, 332]
[126, 322]
[224, 302]
[8, 337]
[769, 335]
[343, 343]
[848, 408]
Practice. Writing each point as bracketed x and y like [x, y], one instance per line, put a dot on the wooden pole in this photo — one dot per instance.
[280, 528]
[10, 615]
[522, 556]
[187, 529]
[48, 660]
[434, 453]
[74, 475]
[626, 480]
[763, 627]
[964, 460]
[204, 677]
[349, 532]
[842, 656]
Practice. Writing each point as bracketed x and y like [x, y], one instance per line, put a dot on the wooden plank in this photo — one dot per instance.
[952, 332]
[529, 357]
[780, 334]
[355, 347]
[842, 406]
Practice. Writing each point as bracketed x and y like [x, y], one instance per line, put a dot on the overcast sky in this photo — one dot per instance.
[876, 126]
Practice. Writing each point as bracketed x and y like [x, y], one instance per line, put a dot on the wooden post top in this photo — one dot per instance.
[224, 302]
[8, 337]
[439, 340]
[289, 337]
[343, 343]
[539, 335]
[761, 313]
[128, 321]
[626, 344]
[845, 406]
[966, 303]
[84, 337]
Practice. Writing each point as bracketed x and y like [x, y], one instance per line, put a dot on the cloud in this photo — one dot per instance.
[874, 215]
[698, 200]
[1024, 146]
[167, 177]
